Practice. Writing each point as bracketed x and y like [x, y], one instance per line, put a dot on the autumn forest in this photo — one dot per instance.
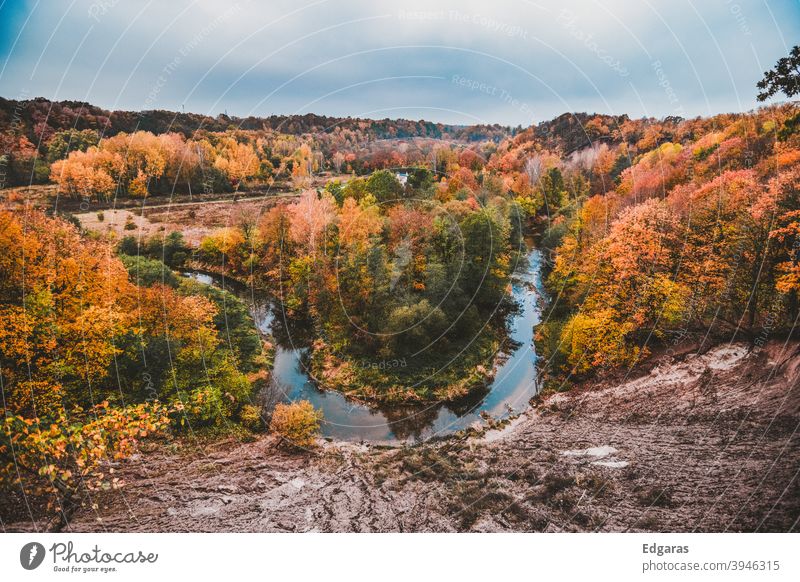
[136, 249]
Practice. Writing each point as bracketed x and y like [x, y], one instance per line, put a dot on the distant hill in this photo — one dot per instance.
[35, 115]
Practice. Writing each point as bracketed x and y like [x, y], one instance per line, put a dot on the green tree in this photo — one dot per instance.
[783, 78]
[70, 140]
[147, 272]
[420, 181]
[384, 186]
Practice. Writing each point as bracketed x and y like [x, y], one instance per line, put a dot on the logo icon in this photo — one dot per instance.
[31, 555]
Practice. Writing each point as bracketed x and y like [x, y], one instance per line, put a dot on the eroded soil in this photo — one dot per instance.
[702, 442]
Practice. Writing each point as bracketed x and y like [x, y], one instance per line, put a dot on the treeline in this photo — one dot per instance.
[40, 117]
[35, 133]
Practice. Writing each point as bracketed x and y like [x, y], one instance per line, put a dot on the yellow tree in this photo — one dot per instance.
[238, 161]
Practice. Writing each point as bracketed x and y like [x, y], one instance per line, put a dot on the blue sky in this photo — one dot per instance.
[500, 61]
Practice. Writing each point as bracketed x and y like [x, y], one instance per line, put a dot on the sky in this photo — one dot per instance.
[513, 62]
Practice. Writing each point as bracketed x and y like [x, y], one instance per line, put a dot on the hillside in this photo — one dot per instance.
[698, 442]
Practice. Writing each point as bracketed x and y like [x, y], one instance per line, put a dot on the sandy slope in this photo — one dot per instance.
[705, 443]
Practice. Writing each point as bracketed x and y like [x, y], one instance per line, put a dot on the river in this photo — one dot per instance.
[344, 419]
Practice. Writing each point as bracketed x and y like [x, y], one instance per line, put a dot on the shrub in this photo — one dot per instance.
[129, 224]
[171, 249]
[101, 217]
[250, 417]
[147, 272]
[128, 245]
[69, 452]
[205, 406]
[298, 423]
[215, 401]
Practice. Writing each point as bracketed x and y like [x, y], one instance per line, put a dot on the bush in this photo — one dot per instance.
[101, 217]
[205, 406]
[147, 272]
[250, 417]
[171, 249]
[128, 246]
[129, 224]
[68, 452]
[297, 423]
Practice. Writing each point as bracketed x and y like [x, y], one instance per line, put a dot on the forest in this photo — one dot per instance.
[397, 242]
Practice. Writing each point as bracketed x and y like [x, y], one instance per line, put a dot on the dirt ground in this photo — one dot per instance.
[700, 443]
[193, 220]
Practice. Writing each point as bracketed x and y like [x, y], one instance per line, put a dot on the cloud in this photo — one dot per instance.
[353, 57]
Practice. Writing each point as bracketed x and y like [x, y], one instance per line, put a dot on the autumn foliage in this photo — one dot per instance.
[697, 236]
[92, 363]
[297, 423]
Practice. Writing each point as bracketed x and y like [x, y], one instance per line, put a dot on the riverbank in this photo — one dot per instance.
[495, 378]
[698, 443]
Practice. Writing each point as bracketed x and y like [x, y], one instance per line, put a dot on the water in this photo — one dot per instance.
[513, 386]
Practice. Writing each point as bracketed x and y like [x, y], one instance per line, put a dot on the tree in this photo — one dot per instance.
[358, 223]
[783, 78]
[486, 266]
[420, 180]
[597, 340]
[146, 272]
[273, 241]
[238, 160]
[355, 188]
[384, 186]
[225, 247]
[310, 218]
[64, 142]
[415, 326]
[81, 176]
[302, 166]
[553, 193]
[338, 161]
